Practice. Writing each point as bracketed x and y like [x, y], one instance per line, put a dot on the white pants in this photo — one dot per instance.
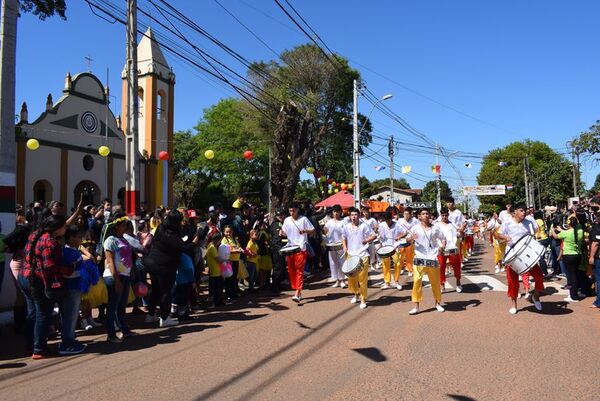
[336, 260]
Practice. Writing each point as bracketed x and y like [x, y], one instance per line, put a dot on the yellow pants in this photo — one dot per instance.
[358, 283]
[433, 273]
[499, 249]
[407, 255]
[387, 269]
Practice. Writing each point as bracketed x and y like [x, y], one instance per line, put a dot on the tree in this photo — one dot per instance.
[44, 8]
[305, 99]
[596, 187]
[588, 141]
[553, 172]
[430, 192]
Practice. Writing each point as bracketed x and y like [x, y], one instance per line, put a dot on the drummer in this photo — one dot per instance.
[451, 251]
[511, 231]
[499, 245]
[457, 219]
[429, 243]
[356, 238]
[389, 232]
[333, 231]
[374, 226]
[407, 253]
[296, 228]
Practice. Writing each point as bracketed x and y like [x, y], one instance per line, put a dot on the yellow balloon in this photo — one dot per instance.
[104, 150]
[330, 192]
[33, 144]
[209, 154]
[336, 190]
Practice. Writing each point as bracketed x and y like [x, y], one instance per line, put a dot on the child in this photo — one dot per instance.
[88, 250]
[184, 281]
[265, 263]
[70, 306]
[215, 281]
[252, 259]
[231, 283]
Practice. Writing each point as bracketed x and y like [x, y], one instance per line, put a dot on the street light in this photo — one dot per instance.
[356, 135]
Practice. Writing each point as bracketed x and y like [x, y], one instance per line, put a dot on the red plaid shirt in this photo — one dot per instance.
[46, 260]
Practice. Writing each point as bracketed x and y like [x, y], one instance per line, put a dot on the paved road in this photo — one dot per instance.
[327, 349]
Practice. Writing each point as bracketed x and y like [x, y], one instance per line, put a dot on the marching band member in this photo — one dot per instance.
[296, 228]
[457, 219]
[333, 231]
[451, 252]
[428, 239]
[469, 234]
[389, 232]
[356, 239]
[499, 246]
[374, 226]
[407, 254]
[511, 231]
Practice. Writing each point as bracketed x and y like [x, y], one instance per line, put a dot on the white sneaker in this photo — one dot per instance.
[497, 270]
[459, 288]
[336, 284]
[439, 308]
[385, 286]
[569, 299]
[528, 296]
[466, 259]
[354, 299]
[151, 318]
[295, 298]
[168, 322]
[512, 311]
[94, 323]
[363, 305]
[414, 311]
[399, 286]
[503, 270]
[342, 285]
[537, 304]
[85, 325]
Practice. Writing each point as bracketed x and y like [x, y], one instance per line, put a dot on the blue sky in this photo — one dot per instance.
[471, 75]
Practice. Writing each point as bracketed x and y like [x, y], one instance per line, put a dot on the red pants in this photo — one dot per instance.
[295, 263]
[492, 238]
[513, 280]
[454, 262]
[469, 242]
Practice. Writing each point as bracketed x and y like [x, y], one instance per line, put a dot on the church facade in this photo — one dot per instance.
[70, 132]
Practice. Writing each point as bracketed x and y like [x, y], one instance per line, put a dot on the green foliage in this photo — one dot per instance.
[44, 8]
[553, 172]
[588, 141]
[306, 191]
[430, 193]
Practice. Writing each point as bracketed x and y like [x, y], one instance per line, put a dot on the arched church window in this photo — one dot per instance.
[161, 111]
[88, 162]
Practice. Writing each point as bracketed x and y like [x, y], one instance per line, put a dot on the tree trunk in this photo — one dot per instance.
[290, 151]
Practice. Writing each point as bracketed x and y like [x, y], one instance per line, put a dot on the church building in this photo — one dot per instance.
[71, 130]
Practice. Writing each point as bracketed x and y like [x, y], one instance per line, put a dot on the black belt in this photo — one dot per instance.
[425, 262]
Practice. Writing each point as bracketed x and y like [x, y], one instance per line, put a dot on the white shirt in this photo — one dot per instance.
[517, 230]
[456, 218]
[407, 225]
[335, 230]
[450, 234]
[371, 222]
[427, 242]
[492, 225]
[504, 216]
[387, 234]
[355, 236]
[291, 229]
[532, 219]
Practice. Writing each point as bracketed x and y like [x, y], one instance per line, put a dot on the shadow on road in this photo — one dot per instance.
[459, 306]
[372, 353]
[388, 300]
[551, 308]
[459, 397]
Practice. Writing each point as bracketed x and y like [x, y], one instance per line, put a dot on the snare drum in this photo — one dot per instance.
[403, 243]
[524, 254]
[289, 249]
[386, 251]
[352, 266]
[334, 246]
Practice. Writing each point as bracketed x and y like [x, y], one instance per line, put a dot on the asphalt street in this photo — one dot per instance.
[264, 348]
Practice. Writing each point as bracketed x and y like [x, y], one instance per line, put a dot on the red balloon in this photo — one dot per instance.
[330, 181]
[344, 186]
[163, 155]
[248, 155]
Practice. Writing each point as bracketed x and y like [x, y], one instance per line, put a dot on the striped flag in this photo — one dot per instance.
[379, 168]
[436, 169]
[502, 164]
[509, 186]
[406, 169]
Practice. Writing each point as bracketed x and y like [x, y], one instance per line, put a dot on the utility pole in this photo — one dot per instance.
[356, 149]
[438, 203]
[574, 176]
[391, 154]
[132, 177]
[8, 45]
[525, 172]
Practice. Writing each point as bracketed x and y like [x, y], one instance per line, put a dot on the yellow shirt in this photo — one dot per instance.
[541, 233]
[213, 262]
[235, 256]
[252, 247]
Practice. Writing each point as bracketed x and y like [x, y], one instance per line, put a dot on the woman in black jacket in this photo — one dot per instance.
[162, 262]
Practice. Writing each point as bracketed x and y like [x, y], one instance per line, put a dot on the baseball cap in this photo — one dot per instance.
[191, 214]
[211, 209]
